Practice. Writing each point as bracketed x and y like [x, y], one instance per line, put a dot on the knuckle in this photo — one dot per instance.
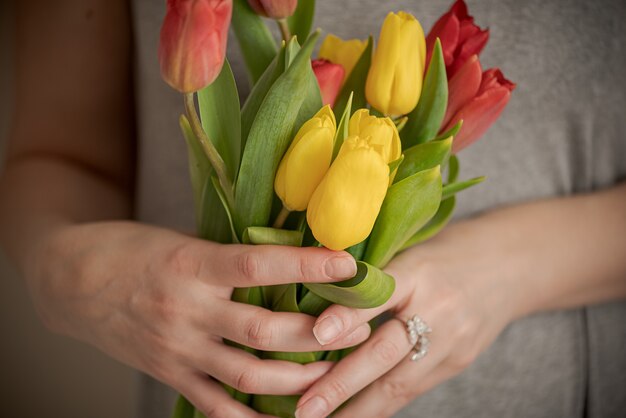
[463, 360]
[216, 410]
[248, 266]
[181, 261]
[395, 390]
[247, 380]
[338, 390]
[386, 351]
[258, 333]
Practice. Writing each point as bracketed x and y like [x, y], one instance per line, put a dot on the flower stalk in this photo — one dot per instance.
[284, 29]
[209, 149]
[281, 218]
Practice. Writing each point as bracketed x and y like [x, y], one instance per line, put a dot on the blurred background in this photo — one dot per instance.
[41, 374]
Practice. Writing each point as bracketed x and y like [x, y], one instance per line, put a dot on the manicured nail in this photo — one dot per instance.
[341, 267]
[327, 329]
[313, 408]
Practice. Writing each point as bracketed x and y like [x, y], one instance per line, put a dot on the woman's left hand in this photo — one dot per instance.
[454, 290]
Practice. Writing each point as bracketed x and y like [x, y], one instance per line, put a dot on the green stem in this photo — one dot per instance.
[209, 149]
[284, 29]
[281, 218]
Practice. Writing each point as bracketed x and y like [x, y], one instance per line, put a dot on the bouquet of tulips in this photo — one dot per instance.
[345, 151]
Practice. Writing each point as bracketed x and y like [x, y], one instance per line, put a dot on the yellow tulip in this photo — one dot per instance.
[382, 132]
[306, 161]
[344, 207]
[394, 81]
[344, 53]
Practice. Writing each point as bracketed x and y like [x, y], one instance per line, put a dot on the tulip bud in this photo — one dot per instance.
[394, 82]
[193, 42]
[344, 207]
[482, 110]
[344, 53]
[382, 134]
[275, 9]
[329, 77]
[306, 161]
[460, 37]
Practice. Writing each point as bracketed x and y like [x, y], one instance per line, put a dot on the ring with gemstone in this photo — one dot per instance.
[416, 330]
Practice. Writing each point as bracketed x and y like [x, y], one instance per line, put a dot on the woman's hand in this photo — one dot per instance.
[446, 287]
[160, 302]
[467, 284]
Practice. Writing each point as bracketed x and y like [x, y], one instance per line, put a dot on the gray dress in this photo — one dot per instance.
[562, 133]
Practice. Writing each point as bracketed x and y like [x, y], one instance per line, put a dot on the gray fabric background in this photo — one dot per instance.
[561, 134]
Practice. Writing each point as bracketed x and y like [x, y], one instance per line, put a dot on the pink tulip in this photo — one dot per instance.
[480, 109]
[193, 42]
[276, 9]
[460, 37]
[329, 77]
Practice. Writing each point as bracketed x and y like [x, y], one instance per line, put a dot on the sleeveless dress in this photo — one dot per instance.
[562, 133]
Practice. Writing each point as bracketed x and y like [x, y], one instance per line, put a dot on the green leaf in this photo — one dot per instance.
[453, 168]
[453, 188]
[258, 93]
[260, 235]
[211, 217]
[221, 118]
[311, 304]
[450, 132]
[357, 250]
[355, 83]
[255, 40]
[269, 138]
[301, 21]
[342, 128]
[183, 408]
[423, 157]
[409, 204]
[282, 406]
[222, 197]
[396, 163]
[425, 120]
[369, 288]
[435, 225]
[198, 414]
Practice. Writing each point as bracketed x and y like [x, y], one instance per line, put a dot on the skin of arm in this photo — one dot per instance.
[468, 284]
[155, 299]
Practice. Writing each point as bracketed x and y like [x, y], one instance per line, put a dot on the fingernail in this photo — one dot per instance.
[327, 329]
[341, 267]
[313, 408]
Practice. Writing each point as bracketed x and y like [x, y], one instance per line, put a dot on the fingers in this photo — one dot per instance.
[338, 321]
[249, 374]
[260, 265]
[210, 398]
[388, 346]
[264, 330]
[393, 391]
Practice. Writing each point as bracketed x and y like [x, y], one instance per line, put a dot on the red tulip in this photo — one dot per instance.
[193, 42]
[460, 37]
[276, 9]
[329, 77]
[477, 104]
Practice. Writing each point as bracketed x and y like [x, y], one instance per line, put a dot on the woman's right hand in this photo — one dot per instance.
[159, 301]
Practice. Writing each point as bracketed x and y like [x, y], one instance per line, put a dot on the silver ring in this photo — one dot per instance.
[416, 330]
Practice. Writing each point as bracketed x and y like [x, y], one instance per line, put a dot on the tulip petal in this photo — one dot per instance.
[343, 208]
[343, 52]
[479, 115]
[462, 88]
[355, 83]
[329, 78]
